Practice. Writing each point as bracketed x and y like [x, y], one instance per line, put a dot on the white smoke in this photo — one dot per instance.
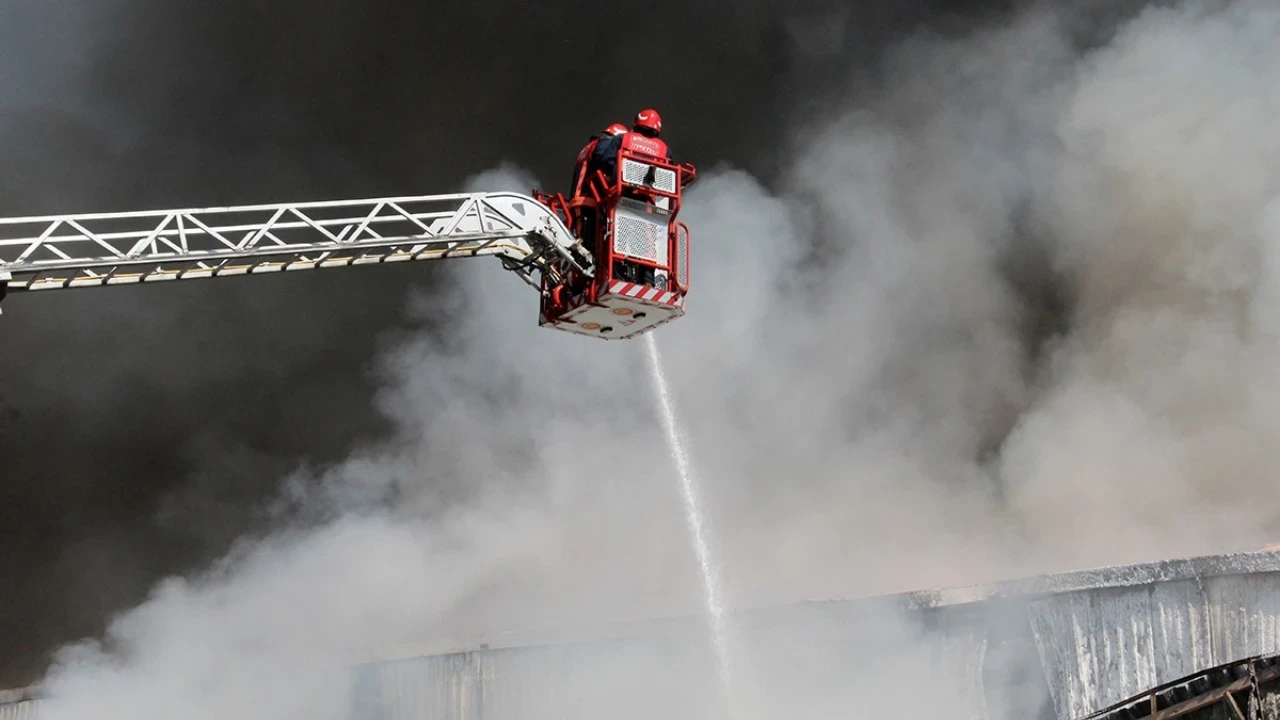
[876, 399]
[1154, 422]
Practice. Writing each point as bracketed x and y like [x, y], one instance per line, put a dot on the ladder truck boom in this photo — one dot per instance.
[71, 251]
[612, 263]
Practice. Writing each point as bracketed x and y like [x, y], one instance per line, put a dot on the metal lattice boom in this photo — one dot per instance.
[66, 251]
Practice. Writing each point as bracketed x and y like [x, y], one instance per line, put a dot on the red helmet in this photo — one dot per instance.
[616, 129]
[650, 120]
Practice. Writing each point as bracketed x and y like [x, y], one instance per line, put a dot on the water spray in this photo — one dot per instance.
[697, 522]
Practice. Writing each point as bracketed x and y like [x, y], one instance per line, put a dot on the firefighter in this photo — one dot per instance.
[584, 215]
[580, 166]
[643, 138]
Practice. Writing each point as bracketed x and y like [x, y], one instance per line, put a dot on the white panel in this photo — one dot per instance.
[640, 234]
[682, 255]
[634, 173]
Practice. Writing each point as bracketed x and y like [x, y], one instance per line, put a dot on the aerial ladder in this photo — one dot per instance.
[530, 235]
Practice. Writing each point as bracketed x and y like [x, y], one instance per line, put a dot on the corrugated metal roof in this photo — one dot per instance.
[1102, 647]
[1097, 638]
[1115, 576]
[622, 679]
[20, 710]
[1103, 636]
[790, 661]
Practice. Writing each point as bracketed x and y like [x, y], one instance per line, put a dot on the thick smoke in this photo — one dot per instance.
[1019, 296]
[140, 429]
[1162, 205]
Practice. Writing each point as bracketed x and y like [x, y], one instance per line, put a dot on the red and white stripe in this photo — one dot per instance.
[644, 293]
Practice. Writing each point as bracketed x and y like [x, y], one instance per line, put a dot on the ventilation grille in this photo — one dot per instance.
[682, 256]
[640, 234]
[634, 173]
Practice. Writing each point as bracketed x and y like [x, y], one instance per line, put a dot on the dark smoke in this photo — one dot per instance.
[140, 429]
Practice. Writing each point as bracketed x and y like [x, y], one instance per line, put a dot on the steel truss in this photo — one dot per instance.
[1210, 687]
[69, 251]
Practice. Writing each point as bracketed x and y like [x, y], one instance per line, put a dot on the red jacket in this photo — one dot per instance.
[605, 156]
[635, 142]
[581, 163]
[587, 149]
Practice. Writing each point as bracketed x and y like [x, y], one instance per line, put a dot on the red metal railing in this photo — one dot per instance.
[599, 194]
[606, 194]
